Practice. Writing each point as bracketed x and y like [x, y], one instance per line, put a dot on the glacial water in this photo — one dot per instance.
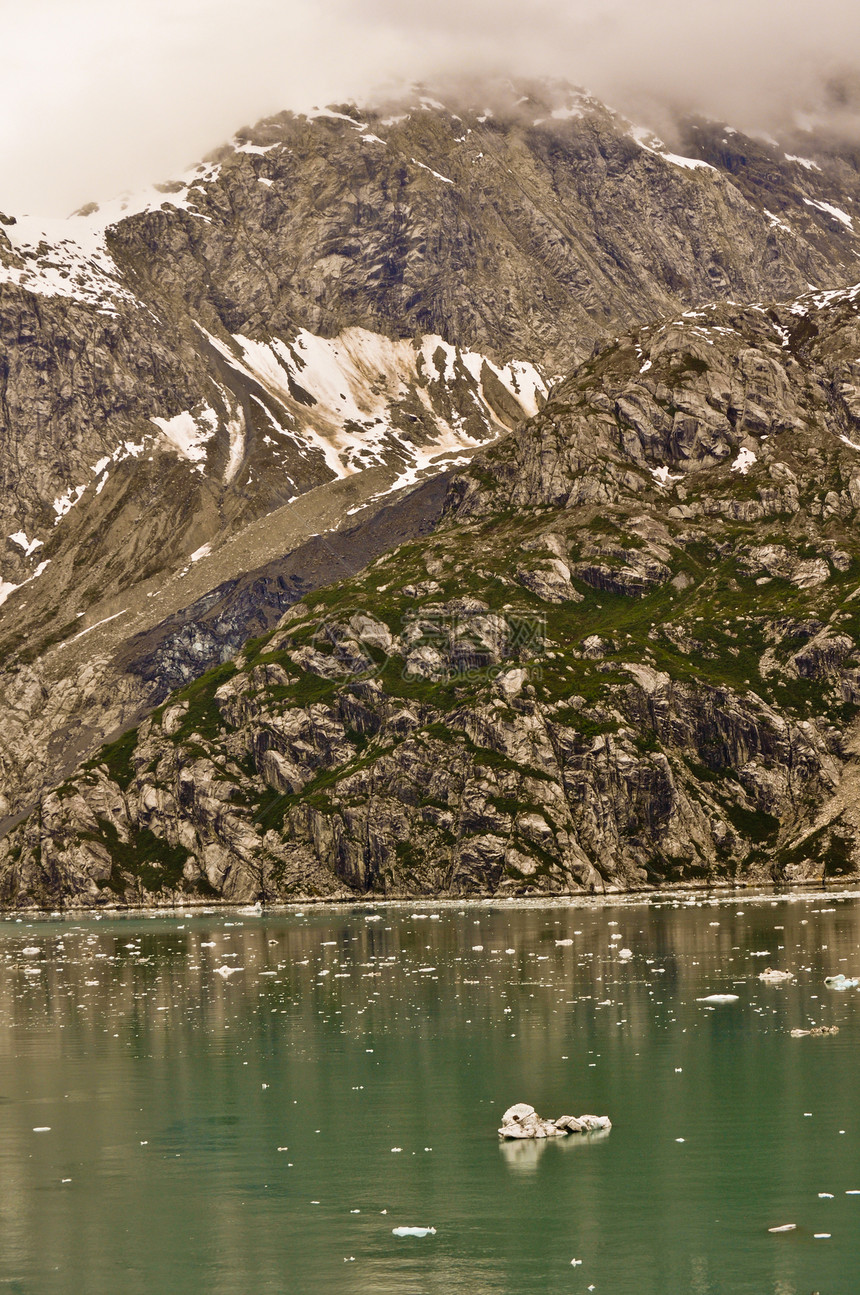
[168, 1127]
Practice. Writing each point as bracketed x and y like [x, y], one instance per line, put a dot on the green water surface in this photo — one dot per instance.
[265, 1131]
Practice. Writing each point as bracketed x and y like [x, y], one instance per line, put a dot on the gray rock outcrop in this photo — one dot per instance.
[522, 1121]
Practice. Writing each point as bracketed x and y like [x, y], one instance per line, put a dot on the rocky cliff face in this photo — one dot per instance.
[627, 654]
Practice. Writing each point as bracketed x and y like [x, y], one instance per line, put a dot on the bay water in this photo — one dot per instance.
[235, 1102]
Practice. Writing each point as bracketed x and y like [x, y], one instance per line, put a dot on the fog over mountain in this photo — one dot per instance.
[97, 97]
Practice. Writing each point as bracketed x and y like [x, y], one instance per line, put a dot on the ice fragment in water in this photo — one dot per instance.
[784, 1227]
[414, 1232]
[718, 998]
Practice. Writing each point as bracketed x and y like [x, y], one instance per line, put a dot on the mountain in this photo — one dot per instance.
[277, 348]
[628, 654]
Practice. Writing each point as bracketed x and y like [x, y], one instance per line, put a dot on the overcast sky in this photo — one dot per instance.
[97, 96]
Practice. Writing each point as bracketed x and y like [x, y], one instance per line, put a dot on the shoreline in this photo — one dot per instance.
[681, 893]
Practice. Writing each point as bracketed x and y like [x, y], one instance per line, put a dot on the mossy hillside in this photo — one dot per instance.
[722, 608]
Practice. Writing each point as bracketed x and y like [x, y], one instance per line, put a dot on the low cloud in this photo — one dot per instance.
[97, 97]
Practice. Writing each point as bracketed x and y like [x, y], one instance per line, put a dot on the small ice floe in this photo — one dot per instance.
[773, 977]
[825, 1196]
[841, 982]
[817, 1031]
[822, 1236]
[559, 943]
[46, 1128]
[226, 971]
[521, 1121]
[625, 953]
[718, 998]
[413, 1232]
[784, 1227]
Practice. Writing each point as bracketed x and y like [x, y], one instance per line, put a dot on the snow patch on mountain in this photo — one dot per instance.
[29, 546]
[825, 299]
[651, 143]
[346, 398]
[65, 503]
[424, 167]
[244, 146]
[323, 113]
[188, 433]
[776, 223]
[70, 258]
[236, 433]
[6, 588]
[836, 212]
[664, 477]
[743, 462]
